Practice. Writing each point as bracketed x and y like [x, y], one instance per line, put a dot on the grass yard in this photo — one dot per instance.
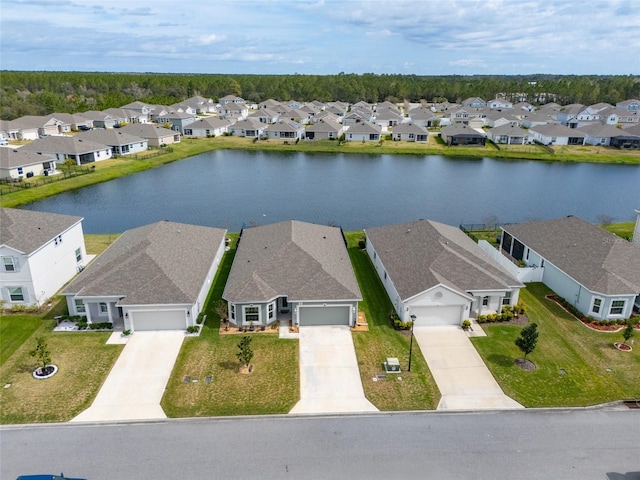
[624, 229]
[83, 360]
[418, 389]
[564, 343]
[273, 387]
[98, 243]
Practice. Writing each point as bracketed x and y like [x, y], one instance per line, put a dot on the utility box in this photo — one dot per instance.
[392, 365]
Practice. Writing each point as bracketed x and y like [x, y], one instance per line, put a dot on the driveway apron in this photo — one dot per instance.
[136, 383]
[464, 380]
[329, 375]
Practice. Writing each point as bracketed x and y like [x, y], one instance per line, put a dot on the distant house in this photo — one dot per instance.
[498, 118]
[499, 103]
[599, 134]
[70, 122]
[534, 119]
[231, 110]
[40, 253]
[324, 130]
[292, 271]
[265, 115]
[363, 131]
[557, 135]
[594, 270]
[121, 143]
[509, 134]
[250, 128]
[100, 119]
[178, 120]
[436, 273]
[44, 125]
[285, 130]
[460, 134]
[631, 104]
[226, 100]
[156, 136]
[155, 277]
[207, 127]
[423, 117]
[409, 133]
[474, 102]
[19, 163]
[387, 118]
[61, 148]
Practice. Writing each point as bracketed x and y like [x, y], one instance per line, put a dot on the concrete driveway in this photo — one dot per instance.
[329, 376]
[464, 380]
[135, 386]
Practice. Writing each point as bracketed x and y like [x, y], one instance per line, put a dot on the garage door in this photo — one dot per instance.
[324, 315]
[436, 316]
[160, 320]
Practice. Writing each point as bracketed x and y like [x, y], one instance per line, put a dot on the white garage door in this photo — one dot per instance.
[436, 316]
[324, 315]
[158, 320]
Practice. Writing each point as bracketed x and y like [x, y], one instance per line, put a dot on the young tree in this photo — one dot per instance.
[41, 352]
[528, 339]
[245, 354]
[627, 333]
[220, 307]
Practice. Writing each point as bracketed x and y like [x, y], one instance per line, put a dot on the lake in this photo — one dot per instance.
[231, 188]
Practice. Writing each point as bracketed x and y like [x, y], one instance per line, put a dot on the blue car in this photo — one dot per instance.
[48, 477]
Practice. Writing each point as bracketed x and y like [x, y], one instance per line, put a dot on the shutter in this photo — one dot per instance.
[25, 294]
[16, 264]
[5, 294]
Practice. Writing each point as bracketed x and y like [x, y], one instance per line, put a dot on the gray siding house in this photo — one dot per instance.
[292, 271]
[436, 273]
[596, 271]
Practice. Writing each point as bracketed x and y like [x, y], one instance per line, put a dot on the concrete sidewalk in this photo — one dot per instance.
[135, 386]
[329, 375]
[464, 380]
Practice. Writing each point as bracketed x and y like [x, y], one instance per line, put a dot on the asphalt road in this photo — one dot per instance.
[530, 444]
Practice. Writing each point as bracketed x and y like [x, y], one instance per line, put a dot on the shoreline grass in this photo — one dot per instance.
[110, 169]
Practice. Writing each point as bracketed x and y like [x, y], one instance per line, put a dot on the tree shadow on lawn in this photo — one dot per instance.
[229, 365]
[500, 360]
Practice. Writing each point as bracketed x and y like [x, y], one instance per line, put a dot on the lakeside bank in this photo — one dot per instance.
[188, 147]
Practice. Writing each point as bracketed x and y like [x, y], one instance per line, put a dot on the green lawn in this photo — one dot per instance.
[564, 343]
[624, 229]
[98, 243]
[83, 360]
[273, 387]
[417, 390]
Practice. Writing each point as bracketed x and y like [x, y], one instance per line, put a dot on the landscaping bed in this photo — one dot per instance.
[592, 323]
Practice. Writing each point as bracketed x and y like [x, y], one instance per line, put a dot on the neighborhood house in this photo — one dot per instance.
[155, 277]
[437, 274]
[292, 271]
[594, 270]
[40, 253]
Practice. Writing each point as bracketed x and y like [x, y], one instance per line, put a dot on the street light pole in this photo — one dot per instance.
[413, 322]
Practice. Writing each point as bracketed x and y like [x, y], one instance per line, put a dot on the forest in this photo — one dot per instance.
[41, 93]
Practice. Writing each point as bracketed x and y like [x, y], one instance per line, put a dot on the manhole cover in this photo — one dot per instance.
[208, 379]
[563, 371]
[187, 379]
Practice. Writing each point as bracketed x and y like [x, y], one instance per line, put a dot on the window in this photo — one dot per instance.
[20, 171]
[16, 294]
[104, 309]
[251, 314]
[485, 301]
[80, 308]
[597, 303]
[617, 307]
[270, 310]
[8, 264]
[506, 300]
[233, 312]
[78, 254]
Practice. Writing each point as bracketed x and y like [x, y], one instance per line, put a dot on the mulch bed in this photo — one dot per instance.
[522, 319]
[607, 327]
[525, 364]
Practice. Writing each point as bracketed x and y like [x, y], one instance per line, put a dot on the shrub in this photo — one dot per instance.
[481, 319]
[200, 318]
[193, 329]
[400, 325]
[466, 325]
[101, 326]
[18, 308]
[81, 325]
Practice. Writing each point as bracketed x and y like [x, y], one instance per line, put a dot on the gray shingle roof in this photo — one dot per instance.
[599, 260]
[303, 261]
[420, 255]
[161, 263]
[110, 137]
[459, 129]
[12, 158]
[148, 130]
[64, 144]
[27, 230]
[557, 131]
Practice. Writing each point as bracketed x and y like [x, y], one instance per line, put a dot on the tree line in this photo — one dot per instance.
[41, 93]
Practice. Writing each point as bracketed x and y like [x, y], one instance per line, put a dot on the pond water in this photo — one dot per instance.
[230, 189]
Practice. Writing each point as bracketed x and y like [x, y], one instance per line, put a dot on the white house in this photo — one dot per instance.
[207, 127]
[63, 147]
[16, 164]
[40, 253]
[594, 270]
[363, 131]
[436, 273]
[121, 143]
[557, 135]
[155, 277]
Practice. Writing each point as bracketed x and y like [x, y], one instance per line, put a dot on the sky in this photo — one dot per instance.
[421, 37]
